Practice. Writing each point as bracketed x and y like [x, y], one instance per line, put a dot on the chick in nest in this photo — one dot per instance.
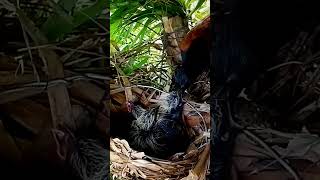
[159, 131]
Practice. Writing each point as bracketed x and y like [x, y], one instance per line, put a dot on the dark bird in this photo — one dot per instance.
[160, 131]
[195, 48]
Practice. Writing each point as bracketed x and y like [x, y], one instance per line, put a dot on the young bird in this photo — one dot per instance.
[160, 131]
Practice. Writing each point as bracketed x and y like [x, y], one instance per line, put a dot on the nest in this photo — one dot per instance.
[127, 163]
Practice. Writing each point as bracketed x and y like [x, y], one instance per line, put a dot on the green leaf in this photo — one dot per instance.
[143, 31]
[131, 67]
[58, 23]
[142, 62]
[141, 15]
[118, 14]
[89, 12]
[56, 26]
[128, 31]
[199, 4]
[61, 23]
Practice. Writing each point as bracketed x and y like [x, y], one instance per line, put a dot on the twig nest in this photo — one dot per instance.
[127, 163]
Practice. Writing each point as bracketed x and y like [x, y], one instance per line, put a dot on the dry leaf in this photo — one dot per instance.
[191, 176]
